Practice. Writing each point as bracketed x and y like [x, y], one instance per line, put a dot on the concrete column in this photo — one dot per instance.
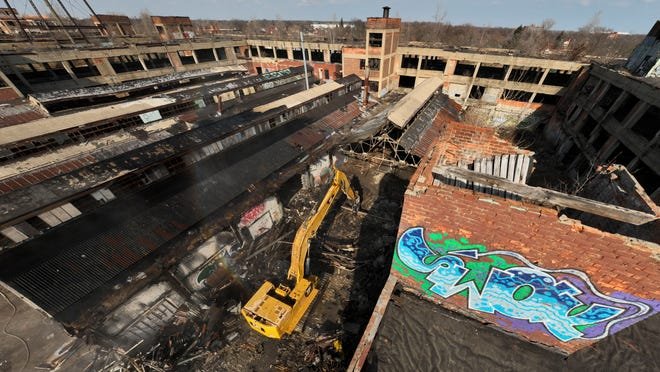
[419, 64]
[289, 53]
[215, 54]
[545, 74]
[450, 67]
[141, 59]
[104, 66]
[194, 54]
[69, 70]
[508, 73]
[175, 61]
[274, 53]
[326, 55]
[258, 51]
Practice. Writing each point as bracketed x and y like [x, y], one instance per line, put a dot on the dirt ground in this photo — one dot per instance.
[351, 255]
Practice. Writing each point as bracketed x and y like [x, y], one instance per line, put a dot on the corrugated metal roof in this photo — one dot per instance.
[52, 124]
[67, 267]
[409, 105]
[298, 98]
[418, 138]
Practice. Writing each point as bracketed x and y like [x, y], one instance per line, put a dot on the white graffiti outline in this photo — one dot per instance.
[643, 308]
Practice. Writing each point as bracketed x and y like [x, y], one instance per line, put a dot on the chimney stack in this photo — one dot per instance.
[386, 12]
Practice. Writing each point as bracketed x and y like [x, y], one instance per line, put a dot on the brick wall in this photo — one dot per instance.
[7, 94]
[588, 270]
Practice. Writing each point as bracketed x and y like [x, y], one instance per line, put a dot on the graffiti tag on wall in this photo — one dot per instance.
[564, 301]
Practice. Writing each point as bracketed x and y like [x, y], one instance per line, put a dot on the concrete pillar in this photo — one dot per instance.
[69, 70]
[141, 59]
[175, 61]
[289, 53]
[104, 66]
[545, 74]
[508, 73]
[419, 66]
[450, 67]
[326, 55]
[274, 53]
[194, 54]
[215, 54]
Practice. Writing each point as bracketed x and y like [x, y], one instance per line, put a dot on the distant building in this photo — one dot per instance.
[114, 25]
[173, 27]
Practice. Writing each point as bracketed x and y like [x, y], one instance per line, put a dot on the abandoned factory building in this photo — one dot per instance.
[151, 181]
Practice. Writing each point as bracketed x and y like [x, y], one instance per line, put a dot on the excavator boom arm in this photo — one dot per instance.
[307, 230]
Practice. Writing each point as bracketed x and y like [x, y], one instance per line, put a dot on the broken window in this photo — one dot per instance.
[297, 54]
[375, 39]
[266, 52]
[157, 60]
[613, 92]
[408, 61]
[625, 107]
[205, 55]
[433, 63]
[492, 72]
[84, 68]
[335, 57]
[281, 53]
[649, 124]
[600, 139]
[588, 126]
[186, 57]
[374, 64]
[317, 55]
[530, 75]
[621, 155]
[477, 92]
[516, 95]
[464, 69]
[254, 51]
[558, 78]
[548, 99]
[222, 53]
[406, 81]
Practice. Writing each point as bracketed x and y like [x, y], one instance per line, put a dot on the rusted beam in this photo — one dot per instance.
[548, 197]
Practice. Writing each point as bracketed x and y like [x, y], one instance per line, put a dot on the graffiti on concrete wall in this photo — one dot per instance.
[503, 282]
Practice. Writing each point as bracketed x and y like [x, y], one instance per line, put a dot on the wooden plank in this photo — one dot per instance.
[511, 167]
[525, 168]
[477, 168]
[489, 170]
[504, 166]
[497, 159]
[517, 174]
[552, 198]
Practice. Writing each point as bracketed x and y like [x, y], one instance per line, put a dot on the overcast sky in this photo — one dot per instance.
[635, 16]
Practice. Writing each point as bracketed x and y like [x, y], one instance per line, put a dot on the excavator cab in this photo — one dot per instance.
[276, 310]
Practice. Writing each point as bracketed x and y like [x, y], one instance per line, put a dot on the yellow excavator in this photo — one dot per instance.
[275, 311]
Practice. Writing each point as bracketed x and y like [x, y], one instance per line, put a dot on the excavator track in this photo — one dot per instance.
[321, 284]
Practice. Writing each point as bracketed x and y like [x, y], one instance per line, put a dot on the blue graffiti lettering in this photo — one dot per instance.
[518, 292]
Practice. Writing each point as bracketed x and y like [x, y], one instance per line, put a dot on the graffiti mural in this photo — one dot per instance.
[502, 282]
